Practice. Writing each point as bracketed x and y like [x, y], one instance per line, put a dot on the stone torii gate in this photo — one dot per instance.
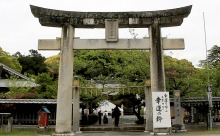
[111, 21]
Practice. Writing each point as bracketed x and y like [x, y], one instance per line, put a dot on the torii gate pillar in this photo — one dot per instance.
[157, 74]
[153, 20]
[64, 96]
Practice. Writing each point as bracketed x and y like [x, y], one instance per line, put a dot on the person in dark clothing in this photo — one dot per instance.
[116, 114]
[105, 117]
[113, 118]
[100, 117]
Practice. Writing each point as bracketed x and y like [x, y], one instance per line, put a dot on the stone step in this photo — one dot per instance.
[112, 128]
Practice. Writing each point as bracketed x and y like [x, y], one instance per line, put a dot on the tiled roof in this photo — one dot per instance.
[197, 99]
[22, 80]
[28, 101]
[10, 70]
[17, 83]
[54, 101]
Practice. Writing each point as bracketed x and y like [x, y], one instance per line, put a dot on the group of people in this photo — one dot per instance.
[116, 113]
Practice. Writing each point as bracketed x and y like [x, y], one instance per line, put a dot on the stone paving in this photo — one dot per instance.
[128, 128]
[133, 134]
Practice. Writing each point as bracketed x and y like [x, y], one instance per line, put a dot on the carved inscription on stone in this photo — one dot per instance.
[111, 30]
[88, 21]
[134, 21]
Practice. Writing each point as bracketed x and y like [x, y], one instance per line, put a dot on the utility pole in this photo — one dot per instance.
[208, 80]
[210, 105]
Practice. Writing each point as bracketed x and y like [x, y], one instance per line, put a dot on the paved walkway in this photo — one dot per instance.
[132, 134]
[128, 128]
[121, 132]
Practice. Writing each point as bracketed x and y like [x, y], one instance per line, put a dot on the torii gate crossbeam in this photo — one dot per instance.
[101, 44]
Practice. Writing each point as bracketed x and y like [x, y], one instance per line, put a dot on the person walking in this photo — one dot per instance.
[100, 117]
[105, 117]
[116, 114]
[113, 118]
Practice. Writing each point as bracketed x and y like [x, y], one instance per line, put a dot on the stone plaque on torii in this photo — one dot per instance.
[111, 21]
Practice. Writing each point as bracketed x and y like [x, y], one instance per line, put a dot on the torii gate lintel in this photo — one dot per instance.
[142, 19]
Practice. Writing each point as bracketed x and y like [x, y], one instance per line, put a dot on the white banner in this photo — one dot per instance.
[161, 110]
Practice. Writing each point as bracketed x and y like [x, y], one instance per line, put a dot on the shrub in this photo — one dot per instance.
[92, 119]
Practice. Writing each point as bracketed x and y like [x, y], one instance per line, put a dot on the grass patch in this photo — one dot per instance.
[24, 133]
[18, 133]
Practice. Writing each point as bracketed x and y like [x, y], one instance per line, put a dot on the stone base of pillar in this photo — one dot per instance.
[161, 131]
[159, 134]
[78, 132]
[146, 131]
[179, 128]
[66, 134]
[179, 131]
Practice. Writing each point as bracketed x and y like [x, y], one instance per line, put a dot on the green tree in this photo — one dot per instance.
[214, 76]
[213, 58]
[10, 61]
[107, 64]
[121, 65]
[48, 87]
[131, 100]
[133, 65]
[211, 67]
[52, 65]
[33, 63]
[178, 73]
[19, 88]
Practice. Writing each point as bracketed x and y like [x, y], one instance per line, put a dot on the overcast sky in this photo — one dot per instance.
[20, 31]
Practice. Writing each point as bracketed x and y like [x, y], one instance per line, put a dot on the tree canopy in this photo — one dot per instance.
[10, 61]
[211, 69]
[31, 64]
[178, 74]
[123, 67]
[127, 67]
